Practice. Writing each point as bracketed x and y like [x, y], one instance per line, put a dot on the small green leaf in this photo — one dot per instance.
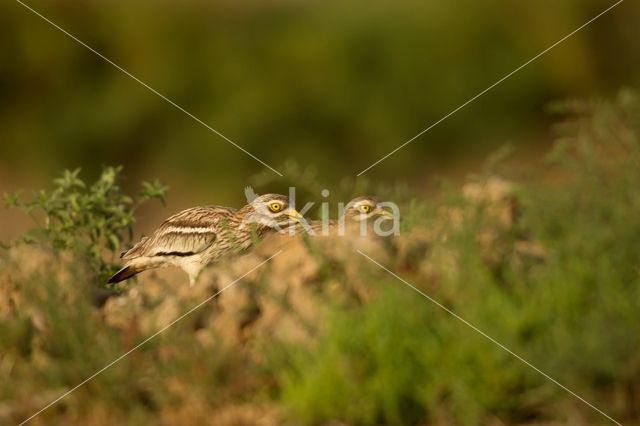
[87, 219]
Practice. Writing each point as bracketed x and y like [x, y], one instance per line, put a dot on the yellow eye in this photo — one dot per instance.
[365, 208]
[275, 207]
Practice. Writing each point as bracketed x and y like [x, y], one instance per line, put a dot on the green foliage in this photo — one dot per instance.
[403, 361]
[391, 358]
[92, 220]
[575, 315]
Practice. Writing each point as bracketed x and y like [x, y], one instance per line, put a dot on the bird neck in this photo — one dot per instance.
[251, 224]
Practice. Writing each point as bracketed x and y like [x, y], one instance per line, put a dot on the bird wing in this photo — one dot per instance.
[184, 234]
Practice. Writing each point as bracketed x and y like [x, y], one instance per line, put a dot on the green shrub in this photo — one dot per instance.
[575, 315]
[93, 220]
[392, 358]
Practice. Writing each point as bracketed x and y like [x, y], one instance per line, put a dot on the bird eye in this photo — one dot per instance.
[275, 207]
[365, 208]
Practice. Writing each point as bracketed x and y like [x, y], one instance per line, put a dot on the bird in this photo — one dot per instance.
[197, 236]
[357, 211]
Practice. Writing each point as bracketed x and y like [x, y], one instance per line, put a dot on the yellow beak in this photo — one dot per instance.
[294, 215]
[387, 215]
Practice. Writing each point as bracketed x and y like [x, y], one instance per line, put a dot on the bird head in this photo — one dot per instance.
[365, 208]
[272, 211]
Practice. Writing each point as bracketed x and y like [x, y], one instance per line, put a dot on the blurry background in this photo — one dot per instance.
[331, 85]
[538, 258]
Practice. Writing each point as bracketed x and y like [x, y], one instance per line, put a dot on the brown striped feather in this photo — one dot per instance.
[197, 236]
[188, 232]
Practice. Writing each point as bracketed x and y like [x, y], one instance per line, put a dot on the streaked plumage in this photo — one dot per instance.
[193, 238]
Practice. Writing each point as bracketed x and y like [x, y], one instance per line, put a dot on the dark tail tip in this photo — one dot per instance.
[123, 274]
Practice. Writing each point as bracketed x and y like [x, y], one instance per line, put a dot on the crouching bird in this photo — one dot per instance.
[195, 237]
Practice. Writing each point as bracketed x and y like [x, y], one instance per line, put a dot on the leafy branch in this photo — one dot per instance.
[92, 220]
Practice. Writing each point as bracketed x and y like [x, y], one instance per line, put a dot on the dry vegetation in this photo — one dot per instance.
[321, 335]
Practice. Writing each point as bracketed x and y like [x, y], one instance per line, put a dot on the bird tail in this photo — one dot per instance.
[124, 274]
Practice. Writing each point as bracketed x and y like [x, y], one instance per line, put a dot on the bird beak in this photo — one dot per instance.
[385, 214]
[294, 215]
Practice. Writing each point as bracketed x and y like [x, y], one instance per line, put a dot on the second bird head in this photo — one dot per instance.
[366, 208]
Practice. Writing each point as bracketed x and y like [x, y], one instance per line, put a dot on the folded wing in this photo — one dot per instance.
[184, 234]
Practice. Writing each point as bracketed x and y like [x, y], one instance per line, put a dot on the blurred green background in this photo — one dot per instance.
[332, 85]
